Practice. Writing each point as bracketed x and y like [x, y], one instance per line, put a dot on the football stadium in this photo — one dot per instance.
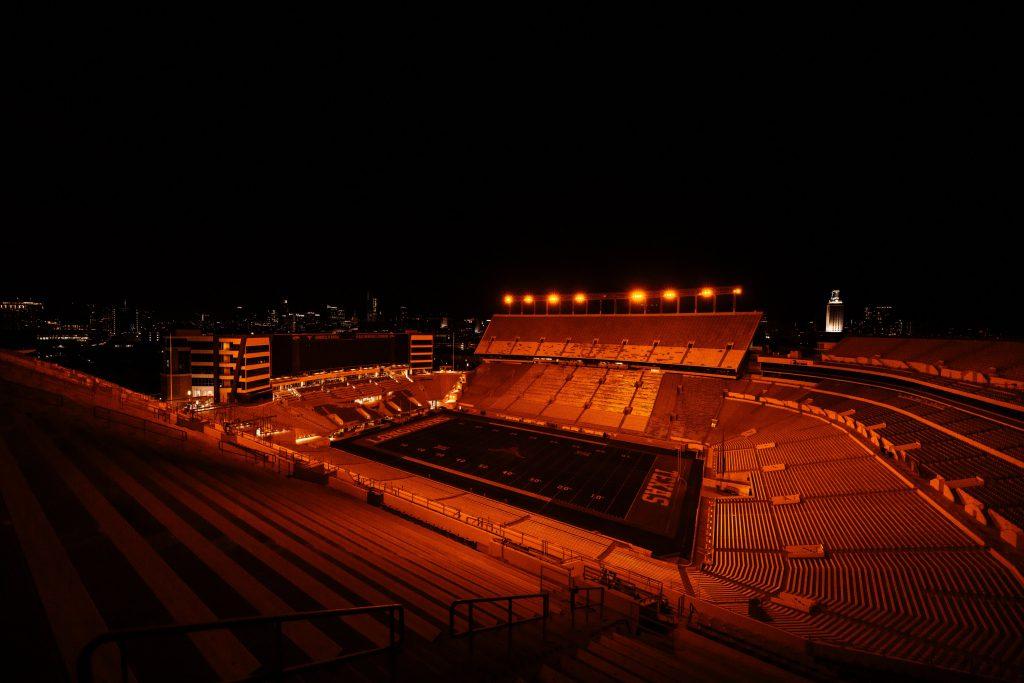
[623, 489]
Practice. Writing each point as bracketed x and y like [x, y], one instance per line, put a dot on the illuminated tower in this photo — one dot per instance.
[834, 313]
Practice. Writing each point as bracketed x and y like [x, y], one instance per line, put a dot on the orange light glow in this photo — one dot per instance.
[508, 299]
[580, 298]
[737, 290]
[669, 295]
[553, 299]
[638, 295]
[707, 292]
[528, 299]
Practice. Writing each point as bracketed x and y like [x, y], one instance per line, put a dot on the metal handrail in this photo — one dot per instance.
[509, 623]
[622, 579]
[396, 638]
[586, 590]
[135, 422]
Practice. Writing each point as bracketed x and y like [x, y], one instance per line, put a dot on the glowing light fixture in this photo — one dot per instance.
[707, 292]
[669, 295]
[580, 298]
[508, 299]
[737, 290]
[554, 299]
[637, 295]
[528, 299]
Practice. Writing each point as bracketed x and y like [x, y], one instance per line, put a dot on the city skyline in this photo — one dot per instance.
[352, 310]
[341, 180]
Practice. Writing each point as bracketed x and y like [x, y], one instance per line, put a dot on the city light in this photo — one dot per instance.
[528, 299]
[707, 292]
[669, 295]
[637, 295]
[580, 298]
[553, 299]
[509, 299]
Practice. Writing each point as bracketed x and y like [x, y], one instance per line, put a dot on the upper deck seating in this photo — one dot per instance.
[710, 340]
[1004, 359]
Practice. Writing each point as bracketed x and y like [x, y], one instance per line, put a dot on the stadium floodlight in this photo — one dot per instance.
[669, 295]
[528, 299]
[638, 296]
[707, 292]
[509, 299]
[579, 298]
[737, 290]
[554, 299]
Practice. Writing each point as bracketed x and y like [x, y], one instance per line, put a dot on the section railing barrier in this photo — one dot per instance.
[257, 458]
[586, 606]
[518, 538]
[276, 670]
[140, 423]
[45, 371]
[510, 621]
[625, 581]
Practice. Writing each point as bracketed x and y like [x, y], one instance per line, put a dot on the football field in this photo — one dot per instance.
[635, 485]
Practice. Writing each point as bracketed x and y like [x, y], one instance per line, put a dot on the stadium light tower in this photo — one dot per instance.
[552, 300]
[669, 295]
[704, 293]
[638, 296]
[736, 291]
[580, 298]
[528, 301]
[509, 300]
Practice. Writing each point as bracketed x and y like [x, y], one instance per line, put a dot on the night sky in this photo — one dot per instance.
[441, 166]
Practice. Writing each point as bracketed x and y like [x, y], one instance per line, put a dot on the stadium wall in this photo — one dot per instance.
[300, 354]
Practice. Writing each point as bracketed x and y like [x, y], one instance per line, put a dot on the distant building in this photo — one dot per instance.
[372, 308]
[421, 352]
[19, 321]
[218, 368]
[336, 316]
[834, 313]
[882, 320]
[19, 314]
